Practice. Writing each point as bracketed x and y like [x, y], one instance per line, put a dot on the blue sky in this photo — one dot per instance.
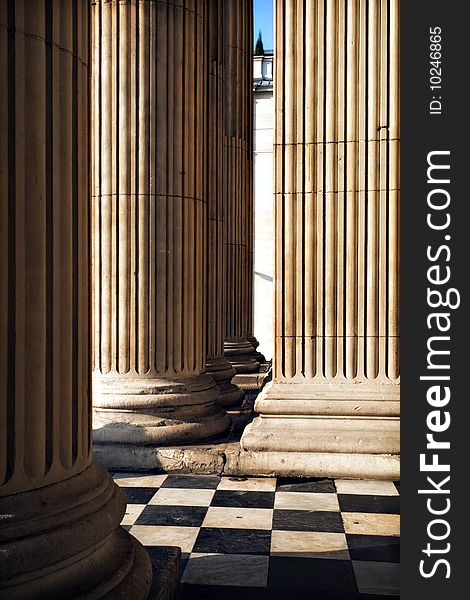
[264, 21]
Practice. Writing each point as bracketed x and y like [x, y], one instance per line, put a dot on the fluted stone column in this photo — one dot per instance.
[60, 512]
[334, 403]
[218, 366]
[237, 186]
[149, 225]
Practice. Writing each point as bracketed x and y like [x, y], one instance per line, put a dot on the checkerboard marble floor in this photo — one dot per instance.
[270, 538]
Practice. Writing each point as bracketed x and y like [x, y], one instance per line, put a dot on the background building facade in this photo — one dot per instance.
[263, 128]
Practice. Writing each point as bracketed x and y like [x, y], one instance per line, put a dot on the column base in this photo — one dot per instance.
[156, 411]
[63, 541]
[239, 352]
[318, 464]
[222, 373]
[256, 355]
[324, 430]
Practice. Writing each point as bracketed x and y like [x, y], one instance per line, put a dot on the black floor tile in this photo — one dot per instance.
[188, 591]
[323, 595]
[376, 597]
[243, 499]
[233, 541]
[139, 495]
[305, 484]
[374, 547]
[327, 595]
[215, 592]
[371, 504]
[308, 520]
[192, 481]
[311, 574]
[181, 516]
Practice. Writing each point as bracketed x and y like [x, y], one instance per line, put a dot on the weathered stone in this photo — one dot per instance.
[253, 381]
[59, 511]
[149, 215]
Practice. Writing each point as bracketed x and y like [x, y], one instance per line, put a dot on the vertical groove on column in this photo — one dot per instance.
[331, 193]
[300, 206]
[341, 175]
[351, 183]
[8, 236]
[152, 175]
[336, 190]
[319, 170]
[61, 158]
[362, 185]
[81, 59]
[384, 187]
[77, 276]
[372, 308]
[123, 172]
[394, 185]
[309, 237]
[35, 266]
[49, 235]
[142, 169]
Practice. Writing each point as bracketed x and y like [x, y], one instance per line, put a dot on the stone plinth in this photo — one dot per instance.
[149, 214]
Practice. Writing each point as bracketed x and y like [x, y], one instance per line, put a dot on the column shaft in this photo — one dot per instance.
[149, 224]
[336, 220]
[60, 512]
[237, 183]
[217, 365]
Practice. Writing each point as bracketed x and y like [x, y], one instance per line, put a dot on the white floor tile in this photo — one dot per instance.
[306, 501]
[239, 518]
[183, 497]
[160, 535]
